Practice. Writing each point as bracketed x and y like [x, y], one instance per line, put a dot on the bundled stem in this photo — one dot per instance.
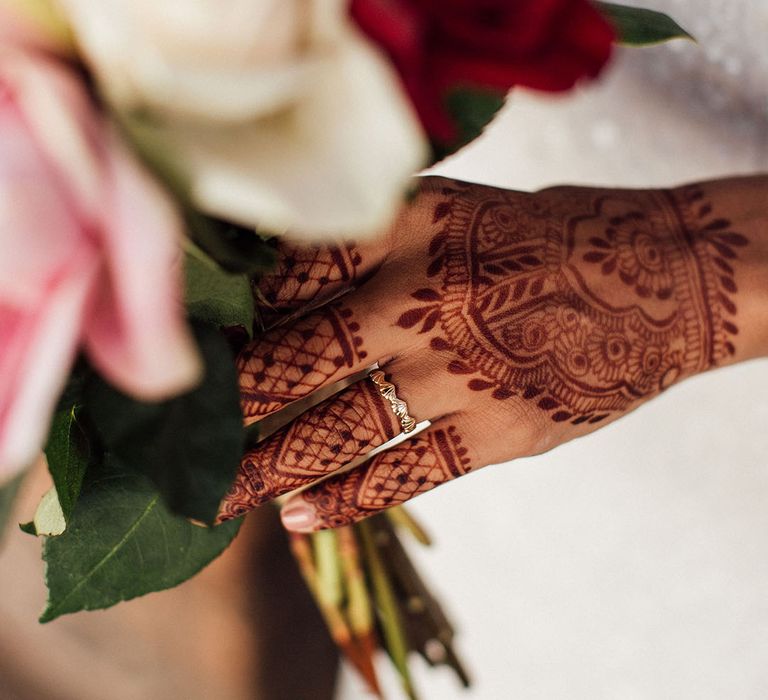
[362, 578]
[322, 563]
[387, 608]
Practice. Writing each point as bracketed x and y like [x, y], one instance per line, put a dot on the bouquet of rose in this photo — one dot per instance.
[149, 154]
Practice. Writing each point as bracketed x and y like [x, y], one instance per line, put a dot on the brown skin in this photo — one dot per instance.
[514, 322]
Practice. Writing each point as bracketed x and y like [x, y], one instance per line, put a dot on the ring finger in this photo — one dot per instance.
[322, 441]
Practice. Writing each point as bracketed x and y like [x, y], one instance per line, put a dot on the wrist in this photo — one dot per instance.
[726, 223]
[672, 276]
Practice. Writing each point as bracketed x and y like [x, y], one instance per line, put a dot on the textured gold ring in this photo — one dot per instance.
[399, 407]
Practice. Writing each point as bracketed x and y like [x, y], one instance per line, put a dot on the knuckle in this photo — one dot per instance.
[534, 430]
[527, 431]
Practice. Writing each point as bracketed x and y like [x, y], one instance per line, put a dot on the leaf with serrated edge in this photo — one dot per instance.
[122, 542]
[637, 26]
[66, 453]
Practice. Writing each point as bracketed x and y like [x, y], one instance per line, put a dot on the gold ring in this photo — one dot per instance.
[399, 407]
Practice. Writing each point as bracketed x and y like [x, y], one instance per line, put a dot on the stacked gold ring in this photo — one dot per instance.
[399, 407]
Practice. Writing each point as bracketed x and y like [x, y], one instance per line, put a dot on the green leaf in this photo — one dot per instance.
[72, 393]
[122, 542]
[329, 581]
[637, 26]
[29, 528]
[190, 446]
[67, 453]
[8, 493]
[215, 296]
[148, 136]
[236, 248]
[471, 109]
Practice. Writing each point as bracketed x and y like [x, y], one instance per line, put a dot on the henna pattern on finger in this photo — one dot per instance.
[581, 314]
[392, 477]
[305, 275]
[317, 443]
[289, 363]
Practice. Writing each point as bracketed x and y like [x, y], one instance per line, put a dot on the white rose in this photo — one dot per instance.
[277, 113]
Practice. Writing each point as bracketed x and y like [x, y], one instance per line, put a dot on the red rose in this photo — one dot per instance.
[437, 45]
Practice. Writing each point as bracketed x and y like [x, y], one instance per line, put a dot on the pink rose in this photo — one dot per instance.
[89, 257]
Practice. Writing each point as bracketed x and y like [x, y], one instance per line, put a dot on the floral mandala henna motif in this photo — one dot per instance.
[392, 477]
[290, 362]
[633, 248]
[336, 432]
[525, 297]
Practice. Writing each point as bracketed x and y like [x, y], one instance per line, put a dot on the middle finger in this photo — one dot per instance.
[331, 435]
[292, 361]
[317, 443]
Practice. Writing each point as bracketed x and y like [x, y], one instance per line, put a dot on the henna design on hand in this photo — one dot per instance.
[288, 363]
[413, 467]
[306, 276]
[314, 445]
[576, 303]
[524, 297]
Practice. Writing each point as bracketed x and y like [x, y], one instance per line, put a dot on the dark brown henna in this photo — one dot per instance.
[392, 477]
[314, 445]
[288, 363]
[519, 299]
[306, 276]
[575, 303]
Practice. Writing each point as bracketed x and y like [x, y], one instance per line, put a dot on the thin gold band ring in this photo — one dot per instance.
[399, 407]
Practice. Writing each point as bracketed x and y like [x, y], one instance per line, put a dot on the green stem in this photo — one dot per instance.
[389, 615]
[329, 583]
[402, 518]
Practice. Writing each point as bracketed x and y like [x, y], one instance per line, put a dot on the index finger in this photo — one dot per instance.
[309, 276]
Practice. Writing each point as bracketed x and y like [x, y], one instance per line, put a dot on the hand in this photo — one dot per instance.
[513, 322]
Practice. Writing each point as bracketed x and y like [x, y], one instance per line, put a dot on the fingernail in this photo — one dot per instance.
[299, 517]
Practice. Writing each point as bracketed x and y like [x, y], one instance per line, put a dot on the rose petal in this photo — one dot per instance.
[338, 165]
[61, 120]
[33, 25]
[37, 227]
[135, 331]
[36, 353]
[227, 60]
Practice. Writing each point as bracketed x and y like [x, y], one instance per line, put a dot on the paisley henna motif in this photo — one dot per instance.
[519, 297]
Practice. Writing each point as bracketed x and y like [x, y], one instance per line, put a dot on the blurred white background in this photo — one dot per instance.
[631, 564]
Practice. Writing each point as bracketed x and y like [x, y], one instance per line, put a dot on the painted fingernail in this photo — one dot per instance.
[299, 516]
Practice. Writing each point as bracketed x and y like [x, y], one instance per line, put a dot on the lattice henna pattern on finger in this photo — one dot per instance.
[288, 363]
[322, 440]
[392, 477]
[305, 275]
[586, 314]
